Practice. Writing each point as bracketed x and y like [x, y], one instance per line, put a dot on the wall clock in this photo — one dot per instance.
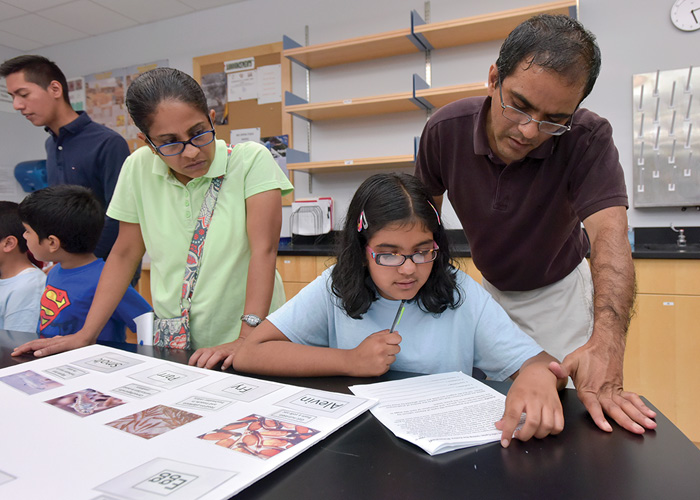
[685, 15]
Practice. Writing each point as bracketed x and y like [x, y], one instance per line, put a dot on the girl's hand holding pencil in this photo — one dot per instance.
[378, 351]
[375, 354]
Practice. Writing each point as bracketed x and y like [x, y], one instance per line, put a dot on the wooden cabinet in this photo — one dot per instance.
[419, 37]
[668, 276]
[466, 265]
[663, 343]
[297, 271]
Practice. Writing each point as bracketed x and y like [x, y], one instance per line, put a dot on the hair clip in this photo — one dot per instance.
[361, 222]
[436, 212]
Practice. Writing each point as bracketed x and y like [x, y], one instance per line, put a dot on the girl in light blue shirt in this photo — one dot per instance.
[394, 257]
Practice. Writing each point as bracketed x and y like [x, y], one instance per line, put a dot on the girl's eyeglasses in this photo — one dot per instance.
[177, 147]
[398, 259]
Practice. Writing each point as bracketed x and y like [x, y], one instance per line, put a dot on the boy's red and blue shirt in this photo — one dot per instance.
[67, 299]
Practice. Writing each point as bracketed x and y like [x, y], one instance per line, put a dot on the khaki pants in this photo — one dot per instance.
[558, 316]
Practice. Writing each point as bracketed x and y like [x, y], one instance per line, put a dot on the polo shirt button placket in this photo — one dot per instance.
[59, 159]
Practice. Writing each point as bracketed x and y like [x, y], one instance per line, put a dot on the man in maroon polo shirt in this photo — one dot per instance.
[522, 169]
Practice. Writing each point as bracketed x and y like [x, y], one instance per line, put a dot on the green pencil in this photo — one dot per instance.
[397, 318]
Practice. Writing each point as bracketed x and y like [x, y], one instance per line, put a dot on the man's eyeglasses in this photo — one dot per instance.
[522, 118]
[177, 147]
[397, 259]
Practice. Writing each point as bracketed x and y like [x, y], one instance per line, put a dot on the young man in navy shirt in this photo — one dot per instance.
[79, 151]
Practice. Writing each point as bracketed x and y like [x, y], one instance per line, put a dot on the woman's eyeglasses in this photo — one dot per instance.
[397, 259]
[177, 147]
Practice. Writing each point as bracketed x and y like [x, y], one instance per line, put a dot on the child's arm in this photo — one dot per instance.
[114, 280]
[268, 351]
[534, 392]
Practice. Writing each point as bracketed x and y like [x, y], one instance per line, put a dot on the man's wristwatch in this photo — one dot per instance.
[251, 320]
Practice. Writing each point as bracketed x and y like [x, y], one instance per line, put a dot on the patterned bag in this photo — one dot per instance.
[175, 332]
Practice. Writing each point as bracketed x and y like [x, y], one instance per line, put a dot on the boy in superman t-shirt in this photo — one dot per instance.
[63, 225]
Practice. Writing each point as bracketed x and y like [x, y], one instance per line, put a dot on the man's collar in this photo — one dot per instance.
[73, 127]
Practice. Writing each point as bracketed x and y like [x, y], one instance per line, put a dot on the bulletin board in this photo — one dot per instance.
[244, 114]
[104, 99]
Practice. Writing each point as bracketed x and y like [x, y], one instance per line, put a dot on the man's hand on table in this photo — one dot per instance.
[597, 375]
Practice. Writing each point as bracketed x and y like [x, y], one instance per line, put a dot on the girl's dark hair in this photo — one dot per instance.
[388, 199]
[151, 88]
[556, 42]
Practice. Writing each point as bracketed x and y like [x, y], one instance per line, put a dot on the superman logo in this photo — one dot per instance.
[53, 301]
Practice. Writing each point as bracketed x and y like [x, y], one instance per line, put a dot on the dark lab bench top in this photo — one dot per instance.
[364, 460]
[651, 243]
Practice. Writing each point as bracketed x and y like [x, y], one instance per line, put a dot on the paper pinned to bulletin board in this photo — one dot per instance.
[244, 134]
[269, 84]
[241, 79]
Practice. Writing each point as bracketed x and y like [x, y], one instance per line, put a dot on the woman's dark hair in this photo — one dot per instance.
[390, 199]
[11, 224]
[36, 69]
[151, 88]
[71, 213]
[556, 42]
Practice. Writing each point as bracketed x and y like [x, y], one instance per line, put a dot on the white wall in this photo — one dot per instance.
[635, 36]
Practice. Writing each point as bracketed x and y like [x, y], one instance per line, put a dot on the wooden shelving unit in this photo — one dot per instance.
[443, 34]
[384, 104]
[384, 162]
[391, 43]
[418, 38]
[440, 96]
[350, 108]
[486, 27]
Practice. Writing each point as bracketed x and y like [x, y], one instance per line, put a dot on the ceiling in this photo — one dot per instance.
[27, 25]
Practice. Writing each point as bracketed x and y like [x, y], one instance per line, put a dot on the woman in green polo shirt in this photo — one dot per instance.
[157, 200]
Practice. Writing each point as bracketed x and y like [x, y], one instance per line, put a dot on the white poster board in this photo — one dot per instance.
[98, 422]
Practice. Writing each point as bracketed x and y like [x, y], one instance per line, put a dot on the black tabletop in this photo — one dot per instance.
[364, 460]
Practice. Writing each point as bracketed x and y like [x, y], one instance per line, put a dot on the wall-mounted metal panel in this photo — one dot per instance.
[667, 138]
